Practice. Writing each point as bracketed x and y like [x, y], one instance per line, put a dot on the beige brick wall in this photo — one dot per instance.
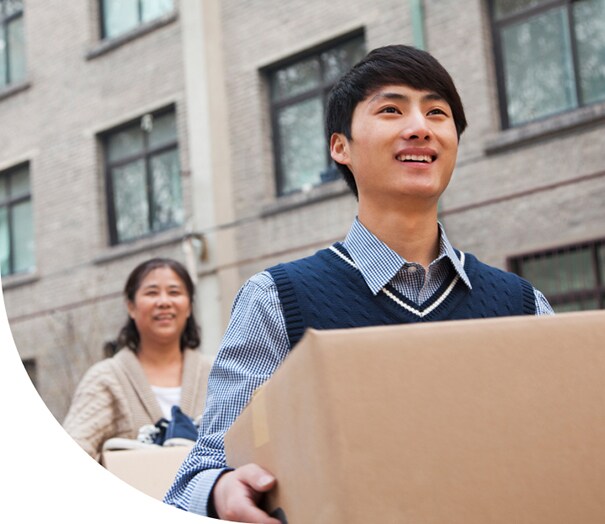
[62, 314]
[546, 188]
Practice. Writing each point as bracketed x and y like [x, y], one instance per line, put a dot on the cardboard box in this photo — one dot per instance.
[479, 421]
[150, 470]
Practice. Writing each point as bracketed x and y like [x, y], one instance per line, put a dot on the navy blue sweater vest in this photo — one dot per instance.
[324, 291]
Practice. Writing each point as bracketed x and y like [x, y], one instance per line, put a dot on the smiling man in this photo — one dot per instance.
[393, 123]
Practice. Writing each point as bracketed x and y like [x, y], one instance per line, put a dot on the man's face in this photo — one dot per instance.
[403, 146]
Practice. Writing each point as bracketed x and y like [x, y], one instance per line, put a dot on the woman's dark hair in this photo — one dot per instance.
[129, 334]
[394, 64]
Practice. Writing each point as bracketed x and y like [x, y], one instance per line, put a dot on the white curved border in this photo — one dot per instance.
[46, 476]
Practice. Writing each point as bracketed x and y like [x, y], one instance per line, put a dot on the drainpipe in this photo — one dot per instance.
[417, 15]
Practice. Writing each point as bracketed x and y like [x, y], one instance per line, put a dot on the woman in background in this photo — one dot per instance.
[157, 365]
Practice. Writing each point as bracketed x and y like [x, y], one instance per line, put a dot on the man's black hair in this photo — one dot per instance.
[389, 65]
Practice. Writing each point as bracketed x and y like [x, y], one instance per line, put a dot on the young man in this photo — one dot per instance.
[393, 123]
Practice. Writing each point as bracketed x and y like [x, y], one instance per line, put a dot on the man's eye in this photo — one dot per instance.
[437, 111]
[390, 109]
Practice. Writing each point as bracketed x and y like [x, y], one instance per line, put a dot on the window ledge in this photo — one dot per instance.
[314, 195]
[109, 44]
[166, 238]
[550, 126]
[19, 279]
[13, 89]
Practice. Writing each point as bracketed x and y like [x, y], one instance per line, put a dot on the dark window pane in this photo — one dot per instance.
[16, 47]
[540, 273]
[561, 273]
[166, 180]
[12, 6]
[296, 79]
[119, 16]
[19, 185]
[3, 189]
[125, 144]
[155, 8]
[508, 7]
[577, 305]
[538, 68]
[16, 222]
[339, 60]
[601, 256]
[4, 242]
[130, 201]
[163, 130]
[303, 154]
[23, 237]
[576, 271]
[589, 16]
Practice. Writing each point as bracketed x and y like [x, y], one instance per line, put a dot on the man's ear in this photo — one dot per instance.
[339, 148]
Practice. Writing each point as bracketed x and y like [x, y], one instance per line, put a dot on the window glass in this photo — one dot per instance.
[577, 305]
[4, 242]
[143, 170]
[163, 130]
[3, 189]
[23, 237]
[572, 278]
[540, 273]
[539, 73]
[589, 19]
[303, 148]
[601, 258]
[16, 222]
[16, 46]
[296, 79]
[336, 62]
[19, 185]
[3, 57]
[508, 7]
[299, 91]
[119, 16]
[130, 201]
[12, 6]
[154, 9]
[125, 144]
[562, 272]
[167, 197]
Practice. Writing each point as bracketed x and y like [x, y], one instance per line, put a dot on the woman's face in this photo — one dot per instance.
[161, 307]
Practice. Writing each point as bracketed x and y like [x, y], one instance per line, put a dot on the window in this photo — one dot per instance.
[550, 56]
[16, 223]
[143, 177]
[571, 277]
[299, 89]
[120, 16]
[12, 46]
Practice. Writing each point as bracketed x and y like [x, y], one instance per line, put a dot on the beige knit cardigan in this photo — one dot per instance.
[114, 399]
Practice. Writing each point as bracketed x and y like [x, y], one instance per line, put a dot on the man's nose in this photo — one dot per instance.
[416, 127]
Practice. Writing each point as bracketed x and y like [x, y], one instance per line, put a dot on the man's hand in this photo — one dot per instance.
[236, 494]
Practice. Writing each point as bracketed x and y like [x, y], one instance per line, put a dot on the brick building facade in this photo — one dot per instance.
[245, 81]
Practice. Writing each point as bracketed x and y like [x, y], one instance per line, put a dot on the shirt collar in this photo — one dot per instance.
[378, 263]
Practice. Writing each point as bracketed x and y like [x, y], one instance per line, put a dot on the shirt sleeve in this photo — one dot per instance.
[543, 307]
[254, 345]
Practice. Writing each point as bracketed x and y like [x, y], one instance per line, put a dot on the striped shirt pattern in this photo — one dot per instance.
[256, 343]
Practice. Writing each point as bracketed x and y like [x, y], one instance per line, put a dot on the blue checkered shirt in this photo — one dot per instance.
[256, 343]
